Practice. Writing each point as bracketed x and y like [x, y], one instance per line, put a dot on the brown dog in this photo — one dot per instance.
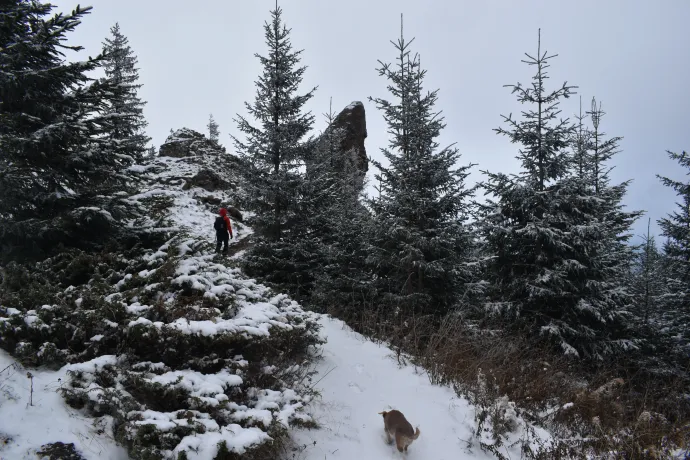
[397, 427]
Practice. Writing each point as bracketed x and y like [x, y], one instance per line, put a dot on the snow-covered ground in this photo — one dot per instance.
[355, 377]
[358, 379]
[29, 421]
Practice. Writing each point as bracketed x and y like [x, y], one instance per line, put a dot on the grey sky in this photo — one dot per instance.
[198, 58]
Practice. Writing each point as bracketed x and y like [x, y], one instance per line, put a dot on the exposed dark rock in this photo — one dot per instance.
[351, 123]
[208, 180]
[354, 123]
[234, 213]
[214, 203]
[210, 200]
[186, 142]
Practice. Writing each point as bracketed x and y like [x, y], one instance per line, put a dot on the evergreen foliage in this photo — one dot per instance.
[555, 261]
[615, 252]
[418, 244]
[649, 284]
[274, 152]
[212, 126]
[581, 141]
[602, 149]
[120, 64]
[59, 170]
[676, 228]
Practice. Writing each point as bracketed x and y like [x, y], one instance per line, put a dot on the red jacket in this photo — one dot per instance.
[224, 213]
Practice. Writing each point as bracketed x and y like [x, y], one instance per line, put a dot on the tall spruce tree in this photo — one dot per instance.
[517, 226]
[419, 243]
[649, 284]
[602, 149]
[57, 161]
[120, 64]
[615, 253]
[543, 136]
[581, 141]
[676, 228]
[212, 126]
[549, 272]
[274, 153]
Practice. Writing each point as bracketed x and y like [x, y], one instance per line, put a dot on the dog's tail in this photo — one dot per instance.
[416, 434]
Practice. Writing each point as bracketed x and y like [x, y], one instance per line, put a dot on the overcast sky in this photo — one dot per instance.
[197, 58]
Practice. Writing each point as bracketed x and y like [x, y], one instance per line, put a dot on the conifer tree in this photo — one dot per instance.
[212, 126]
[602, 149]
[581, 142]
[57, 162]
[543, 135]
[274, 151]
[676, 228]
[120, 64]
[649, 284]
[418, 244]
[615, 251]
[550, 270]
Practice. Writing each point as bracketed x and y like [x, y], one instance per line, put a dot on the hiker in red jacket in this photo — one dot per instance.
[223, 230]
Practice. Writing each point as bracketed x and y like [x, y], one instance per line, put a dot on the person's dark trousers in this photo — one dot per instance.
[224, 241]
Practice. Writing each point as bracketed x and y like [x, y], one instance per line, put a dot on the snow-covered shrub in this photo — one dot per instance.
[183, 352]
[59, 451]
[496, 416]
[57, 312]
[183, 355]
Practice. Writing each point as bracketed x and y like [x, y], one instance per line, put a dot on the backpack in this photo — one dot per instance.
[219, 225]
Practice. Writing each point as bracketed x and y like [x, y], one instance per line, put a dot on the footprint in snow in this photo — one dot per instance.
[354, 387]
[361, 370]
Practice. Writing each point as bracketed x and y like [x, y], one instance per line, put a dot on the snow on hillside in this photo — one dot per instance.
[358, 379]
[184, 296]
[26, 425]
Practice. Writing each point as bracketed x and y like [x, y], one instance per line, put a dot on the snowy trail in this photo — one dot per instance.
[360, 379]
[357, 379]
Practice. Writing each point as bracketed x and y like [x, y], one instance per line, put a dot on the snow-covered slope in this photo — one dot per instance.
[28, 421]
[355, 378]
